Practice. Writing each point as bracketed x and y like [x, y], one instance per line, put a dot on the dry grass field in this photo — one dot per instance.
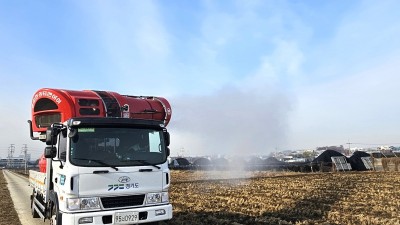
[212, 197]
[270, 198]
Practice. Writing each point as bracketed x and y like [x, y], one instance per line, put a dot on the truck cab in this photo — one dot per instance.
[101, 169]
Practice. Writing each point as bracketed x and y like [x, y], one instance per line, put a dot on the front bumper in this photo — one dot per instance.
[146, 215]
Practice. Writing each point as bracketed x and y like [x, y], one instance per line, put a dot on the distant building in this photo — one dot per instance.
[387, 148]
[15, 162]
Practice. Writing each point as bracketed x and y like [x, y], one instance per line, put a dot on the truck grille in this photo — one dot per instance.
[122, 201]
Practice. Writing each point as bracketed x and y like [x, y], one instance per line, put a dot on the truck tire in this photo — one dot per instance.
[33, 211]
[55, 216]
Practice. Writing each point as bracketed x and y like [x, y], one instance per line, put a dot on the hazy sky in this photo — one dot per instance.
[241, 76]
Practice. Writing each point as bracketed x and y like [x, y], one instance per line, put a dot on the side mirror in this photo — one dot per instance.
[72, 132]
[166, 138]
[50, 152]
[168, 151]
[51, 136]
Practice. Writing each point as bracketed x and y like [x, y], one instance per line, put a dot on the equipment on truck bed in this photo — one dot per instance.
[55, 105]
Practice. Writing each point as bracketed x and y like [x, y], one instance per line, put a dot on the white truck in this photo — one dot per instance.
[105, 159]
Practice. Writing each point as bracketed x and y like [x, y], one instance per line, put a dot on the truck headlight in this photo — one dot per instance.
[83, 203]
[160, 197]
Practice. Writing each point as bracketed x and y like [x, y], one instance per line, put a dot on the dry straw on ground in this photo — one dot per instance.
[393, 162]
[315, 198]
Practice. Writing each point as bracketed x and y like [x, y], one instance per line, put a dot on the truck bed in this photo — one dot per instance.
[37, 181]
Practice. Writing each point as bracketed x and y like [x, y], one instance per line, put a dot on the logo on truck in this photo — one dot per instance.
[115, 187]
[124, 179]
[125, 185]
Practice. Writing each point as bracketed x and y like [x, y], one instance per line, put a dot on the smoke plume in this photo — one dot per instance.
[230, 122]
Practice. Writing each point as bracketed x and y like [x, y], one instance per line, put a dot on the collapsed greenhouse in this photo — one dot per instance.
[327, 161]
[358, 161]
[236, 163]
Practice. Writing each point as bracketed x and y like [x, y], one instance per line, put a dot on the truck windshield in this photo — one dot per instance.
[99, 147]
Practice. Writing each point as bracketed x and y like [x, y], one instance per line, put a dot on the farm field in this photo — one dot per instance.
[217, 197]
[274, 198]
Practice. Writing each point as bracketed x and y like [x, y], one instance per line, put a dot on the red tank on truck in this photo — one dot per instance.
[105, 159]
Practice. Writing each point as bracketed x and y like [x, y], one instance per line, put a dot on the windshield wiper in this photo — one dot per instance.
[99, 162]
[141, 161]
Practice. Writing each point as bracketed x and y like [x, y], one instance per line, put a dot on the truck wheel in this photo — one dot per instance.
[55, 218]
[33, 211]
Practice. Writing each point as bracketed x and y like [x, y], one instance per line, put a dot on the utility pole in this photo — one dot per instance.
[11, 150]
[181, 152]
[24, 151]
[349, 146]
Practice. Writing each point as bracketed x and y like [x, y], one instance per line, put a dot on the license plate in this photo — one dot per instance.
[126, 217]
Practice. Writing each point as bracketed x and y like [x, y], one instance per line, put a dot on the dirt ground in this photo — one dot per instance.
[8, 215]
[365, 198]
